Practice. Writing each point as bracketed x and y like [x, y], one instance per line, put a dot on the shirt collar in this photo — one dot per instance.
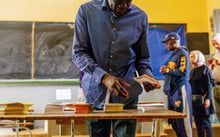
[105, 6]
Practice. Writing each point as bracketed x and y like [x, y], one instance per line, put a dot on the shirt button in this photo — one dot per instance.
[111, 56]
[113, 42]
[109, 70]
[114, 29]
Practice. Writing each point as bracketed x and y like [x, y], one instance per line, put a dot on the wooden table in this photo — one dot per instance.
[154, 115]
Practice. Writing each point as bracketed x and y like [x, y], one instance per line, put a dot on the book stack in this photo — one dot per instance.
[79, 107]
[113, 107]
[146, 106]
[54, 108]
[17, 108]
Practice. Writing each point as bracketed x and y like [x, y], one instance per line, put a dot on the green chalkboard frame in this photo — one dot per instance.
[41, 82]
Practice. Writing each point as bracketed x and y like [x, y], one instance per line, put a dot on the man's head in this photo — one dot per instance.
[171, 36]
[216, 41]
[119, 7]
[172, 40]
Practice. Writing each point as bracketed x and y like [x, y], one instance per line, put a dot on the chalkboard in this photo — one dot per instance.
[39, 52]
[53, 59]
[198, 41]
[15, 50]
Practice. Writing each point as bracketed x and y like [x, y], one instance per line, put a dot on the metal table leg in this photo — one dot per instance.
[17, 128]
[72, 128]
[156, 127]
[60, 129]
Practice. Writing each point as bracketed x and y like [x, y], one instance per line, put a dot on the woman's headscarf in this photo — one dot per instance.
[216, 37]
[199, 58]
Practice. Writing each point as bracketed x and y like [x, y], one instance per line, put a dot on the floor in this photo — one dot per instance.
[39, 132]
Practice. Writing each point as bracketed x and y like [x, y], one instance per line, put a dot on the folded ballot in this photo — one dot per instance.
[147, 79]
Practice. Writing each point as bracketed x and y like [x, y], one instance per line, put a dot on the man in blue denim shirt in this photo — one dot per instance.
[110, 47]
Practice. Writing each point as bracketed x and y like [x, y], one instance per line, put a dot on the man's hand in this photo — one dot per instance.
[164, 69]
[148, 87]
[211, 61]
[149, 82]
[115, 85]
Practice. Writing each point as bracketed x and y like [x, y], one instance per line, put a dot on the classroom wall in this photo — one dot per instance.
[40, 95]
[172, 11]
[39, 10]
[194, 13]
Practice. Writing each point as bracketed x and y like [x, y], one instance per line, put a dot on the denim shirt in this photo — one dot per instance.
[104, 43]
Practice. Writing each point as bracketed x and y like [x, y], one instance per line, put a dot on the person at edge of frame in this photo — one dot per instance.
[214, 62]
[214, 65]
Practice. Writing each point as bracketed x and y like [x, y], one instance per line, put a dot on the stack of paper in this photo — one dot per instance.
[113, 107]
[16, 108]
[79, 107]
[145, 106]
[54, 108]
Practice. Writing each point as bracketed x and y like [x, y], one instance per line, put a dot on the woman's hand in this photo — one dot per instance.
[207, 103]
